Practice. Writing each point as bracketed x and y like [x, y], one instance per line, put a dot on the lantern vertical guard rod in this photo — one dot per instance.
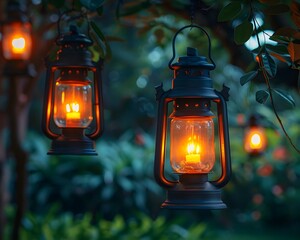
[47, 104]
[159, 164]
[98, 104]
[224, 139]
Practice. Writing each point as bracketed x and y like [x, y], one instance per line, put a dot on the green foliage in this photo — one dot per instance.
[266, 54]
[57, 226]
[103, 45]
[248, 77]
[111, 196]
[279, 52]
[271, 179]
[243, 32]
[262, 96]
[269, 64]
[285, 100]
[123, 170]
[230, 11]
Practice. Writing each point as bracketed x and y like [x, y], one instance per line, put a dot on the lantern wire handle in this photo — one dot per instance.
[174, 40]
[67, 12]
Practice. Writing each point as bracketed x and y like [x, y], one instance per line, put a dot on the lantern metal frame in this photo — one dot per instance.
[73, 53]
[17, 13]
[191, 81]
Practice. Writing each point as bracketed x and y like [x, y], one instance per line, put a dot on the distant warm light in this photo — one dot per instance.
[255, 140]
[18, 44]
[16, 41]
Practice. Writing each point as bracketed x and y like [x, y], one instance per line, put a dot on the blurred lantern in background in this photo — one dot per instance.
[73, 112]
[255, 139]
[16, 38]
[192, 148]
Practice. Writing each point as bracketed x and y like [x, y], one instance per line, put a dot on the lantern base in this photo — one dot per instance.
[72, 142]
[194, 191]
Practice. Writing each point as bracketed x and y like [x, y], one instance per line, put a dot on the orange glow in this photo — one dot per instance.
[72, 104]
[192, 144]
[72, 111]
[193, 152]
[18, 44]
[17, 41]
[255, 140]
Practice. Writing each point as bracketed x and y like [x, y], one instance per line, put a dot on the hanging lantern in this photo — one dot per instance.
[191, 125]
[255, 140]
[16, 33]
[73, 112]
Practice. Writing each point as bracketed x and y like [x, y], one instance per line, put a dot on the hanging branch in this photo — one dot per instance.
[267, 80]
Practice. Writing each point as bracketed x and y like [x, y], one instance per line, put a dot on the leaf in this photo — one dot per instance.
[279, 48]
[295, 9]
[291, 51]
[262, 96]
[282, 57]
[248, 77]
[280, 52]
[294, 51]
[97, 30]
[92, 5]
[269, 64]
[279, 39]
[243, 32]
[284, 98]
[101, 40]
[229, 12]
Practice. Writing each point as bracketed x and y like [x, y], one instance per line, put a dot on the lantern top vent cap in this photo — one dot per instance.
[192, 59]
[74, 37]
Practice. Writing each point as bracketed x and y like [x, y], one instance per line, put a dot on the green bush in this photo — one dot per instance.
[54, 226]
[118, 181]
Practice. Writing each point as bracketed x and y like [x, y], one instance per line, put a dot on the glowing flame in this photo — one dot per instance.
[18, 45]
[72, 111]
[255, 141]
[193, 148]
[73, 107]
[193, 152]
